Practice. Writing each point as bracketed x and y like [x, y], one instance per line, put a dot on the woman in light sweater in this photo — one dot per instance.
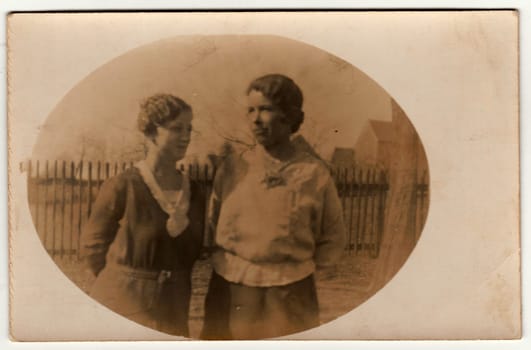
[277, 217]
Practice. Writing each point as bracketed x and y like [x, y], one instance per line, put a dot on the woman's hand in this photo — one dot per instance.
[195, 164]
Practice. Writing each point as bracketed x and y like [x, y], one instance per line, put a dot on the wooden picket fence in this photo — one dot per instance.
[363, 194]
[61, 195]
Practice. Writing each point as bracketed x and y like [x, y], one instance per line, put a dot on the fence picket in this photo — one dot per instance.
[80, 211]
[370, 212]
[342, 179]
[358, 210]
[98, 176]
[374, 241]
[47, 177]
[89, 185]
[54, 204]
[352, 183]
[30, 187]
[381, 204]
[72, 192]
[208, 240]
[364, 198]
[63, 185]
[37, 195]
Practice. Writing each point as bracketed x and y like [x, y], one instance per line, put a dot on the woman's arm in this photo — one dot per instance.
[103, 223]
[331, 242]
[214, 206]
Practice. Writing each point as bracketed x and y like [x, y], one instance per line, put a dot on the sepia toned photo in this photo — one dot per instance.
[223, 186]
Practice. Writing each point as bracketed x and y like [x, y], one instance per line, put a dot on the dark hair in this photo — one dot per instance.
[159, 110]
[284, 93]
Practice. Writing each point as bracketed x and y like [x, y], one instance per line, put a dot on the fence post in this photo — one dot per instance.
[72, 190]
[208, 240]
[369, 219]
[348, 195]
[342, 179]
[365, 205]
[54, 205]
[89, 196]
[190, 172]
[358, 176]
[63, 180]
[352, 187]
[37, 195]
[28, 180]
[47, 177]
[80, 212]
[382, 189]
[98, 176]
[374, 193]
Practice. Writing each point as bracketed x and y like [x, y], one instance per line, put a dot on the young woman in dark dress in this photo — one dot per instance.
[146, 228]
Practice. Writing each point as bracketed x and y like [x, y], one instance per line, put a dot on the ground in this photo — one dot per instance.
[339, 290]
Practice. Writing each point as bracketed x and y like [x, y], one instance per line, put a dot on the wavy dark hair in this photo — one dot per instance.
[159, 110]
[284, 93]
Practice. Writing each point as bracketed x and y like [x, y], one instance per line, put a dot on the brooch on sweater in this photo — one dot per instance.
[273, 180]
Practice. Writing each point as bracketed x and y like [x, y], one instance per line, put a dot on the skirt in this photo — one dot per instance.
[235, 311]
[156, 299]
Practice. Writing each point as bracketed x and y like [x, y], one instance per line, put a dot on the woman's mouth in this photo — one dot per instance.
[259, 132]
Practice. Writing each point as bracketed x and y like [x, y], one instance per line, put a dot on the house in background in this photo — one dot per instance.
[343, 157]
[374, 145]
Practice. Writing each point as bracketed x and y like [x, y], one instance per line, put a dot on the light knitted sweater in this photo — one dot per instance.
[274, 222]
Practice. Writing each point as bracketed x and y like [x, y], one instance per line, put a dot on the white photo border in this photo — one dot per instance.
[524, 8]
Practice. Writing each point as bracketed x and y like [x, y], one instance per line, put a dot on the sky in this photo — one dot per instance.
[97, 118]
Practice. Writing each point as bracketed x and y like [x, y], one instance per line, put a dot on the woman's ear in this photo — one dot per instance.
[152, 137]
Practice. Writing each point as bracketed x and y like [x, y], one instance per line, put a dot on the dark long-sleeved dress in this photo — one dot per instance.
[142, 272]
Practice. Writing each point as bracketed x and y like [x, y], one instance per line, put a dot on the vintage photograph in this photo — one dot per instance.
[233, 187]
[227, 187]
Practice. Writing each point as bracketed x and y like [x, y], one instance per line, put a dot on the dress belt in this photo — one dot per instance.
[160, 276]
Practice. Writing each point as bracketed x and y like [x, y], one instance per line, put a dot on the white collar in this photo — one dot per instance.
[178, 209]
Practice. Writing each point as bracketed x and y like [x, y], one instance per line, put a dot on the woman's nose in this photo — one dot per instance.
[185, 137]
[182, 137]
[257, 117]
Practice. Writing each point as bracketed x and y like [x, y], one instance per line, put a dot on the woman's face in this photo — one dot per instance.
[173, 139]
[268, 123]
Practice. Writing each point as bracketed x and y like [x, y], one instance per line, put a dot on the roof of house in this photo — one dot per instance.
[382, 129]
[343, 155]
